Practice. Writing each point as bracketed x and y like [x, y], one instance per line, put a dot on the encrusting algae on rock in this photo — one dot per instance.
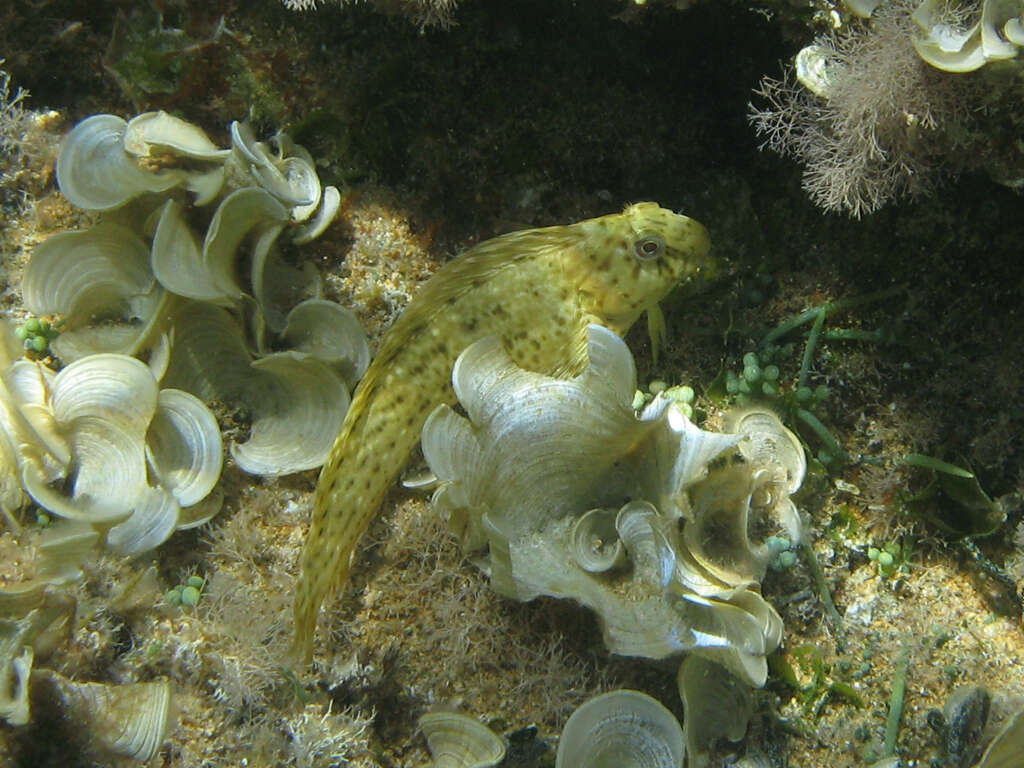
[538, 290]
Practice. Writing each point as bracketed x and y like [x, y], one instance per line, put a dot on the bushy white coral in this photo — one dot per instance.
[426, 13]
[864, 114]
[13, 117]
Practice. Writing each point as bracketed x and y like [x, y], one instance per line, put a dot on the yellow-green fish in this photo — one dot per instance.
[538, 290]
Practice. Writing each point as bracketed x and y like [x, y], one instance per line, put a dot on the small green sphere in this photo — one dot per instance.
[638, 400]
[32, 325]
[803, 394]
[885, 559]
[40, 343]
[189, 596]
[752, 373]
[750, 359]
[680, 394]
[771, 373]
[770, 388]
[21, 332]
[787, 559]
[173, 596]
[195, 581]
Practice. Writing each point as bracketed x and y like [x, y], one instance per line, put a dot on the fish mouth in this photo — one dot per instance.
[694, 252]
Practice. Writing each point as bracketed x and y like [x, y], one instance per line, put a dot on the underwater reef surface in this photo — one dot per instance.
[890, 344]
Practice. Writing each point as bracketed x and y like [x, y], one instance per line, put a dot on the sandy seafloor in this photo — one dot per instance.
[526, 115]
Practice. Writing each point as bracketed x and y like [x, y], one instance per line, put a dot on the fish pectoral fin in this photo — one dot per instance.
[657, 330]
[576, 357]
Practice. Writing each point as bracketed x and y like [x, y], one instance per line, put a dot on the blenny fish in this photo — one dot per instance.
[538, 290]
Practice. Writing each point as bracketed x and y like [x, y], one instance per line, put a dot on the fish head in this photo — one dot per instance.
[628, 262]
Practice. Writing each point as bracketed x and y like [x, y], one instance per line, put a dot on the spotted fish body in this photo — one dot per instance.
[538, 290]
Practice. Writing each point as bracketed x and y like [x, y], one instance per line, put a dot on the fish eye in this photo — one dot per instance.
[649, 247]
